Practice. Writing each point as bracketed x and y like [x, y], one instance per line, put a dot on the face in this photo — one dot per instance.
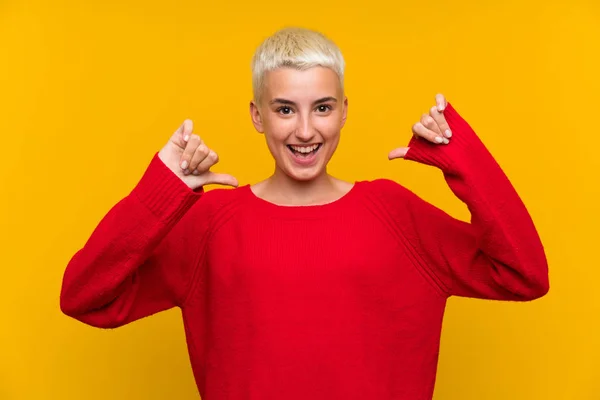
[301, 114]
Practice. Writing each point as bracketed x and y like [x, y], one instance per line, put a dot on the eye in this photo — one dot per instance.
[324, 108]
[284, 110]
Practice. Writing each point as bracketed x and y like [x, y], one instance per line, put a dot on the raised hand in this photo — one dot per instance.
[432, 127]
[190, 159]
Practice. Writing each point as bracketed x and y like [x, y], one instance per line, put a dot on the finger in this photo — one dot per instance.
[208, 161]
[420, 130]
[188, 129]
[199, 155]
[430, 123]
[398, 153]
[221, 179]
[190, 148]
[440, 101]
[440, 122]
[179, 135]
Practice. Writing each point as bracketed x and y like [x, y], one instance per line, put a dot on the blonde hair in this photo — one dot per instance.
[298, 48]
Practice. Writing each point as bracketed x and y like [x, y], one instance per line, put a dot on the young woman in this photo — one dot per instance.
[304, 286]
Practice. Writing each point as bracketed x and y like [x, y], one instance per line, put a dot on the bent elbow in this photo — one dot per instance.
[76, 307]
[535, 286]
[524, 284]
[69, 304]
[67, 307]
[529, 276]
[71, 307]
[95, 318]
[536, 290]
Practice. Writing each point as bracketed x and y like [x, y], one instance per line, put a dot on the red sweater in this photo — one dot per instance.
[336, 301]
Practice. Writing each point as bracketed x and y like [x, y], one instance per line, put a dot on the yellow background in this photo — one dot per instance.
[90, 90]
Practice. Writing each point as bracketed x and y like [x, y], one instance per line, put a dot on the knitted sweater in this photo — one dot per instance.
[337, 301]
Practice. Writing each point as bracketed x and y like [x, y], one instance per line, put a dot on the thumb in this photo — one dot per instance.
[398, 153]
[221, 179]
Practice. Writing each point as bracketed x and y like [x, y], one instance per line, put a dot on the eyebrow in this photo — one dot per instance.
[285, 101]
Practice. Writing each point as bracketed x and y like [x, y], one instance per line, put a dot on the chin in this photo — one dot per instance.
[303, 176]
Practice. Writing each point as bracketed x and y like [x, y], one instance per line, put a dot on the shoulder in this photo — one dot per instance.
[215, 199]
[386, 189]
[218, 204]
[394, 197]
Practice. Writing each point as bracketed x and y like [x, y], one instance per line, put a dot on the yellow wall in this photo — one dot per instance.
[88, 92]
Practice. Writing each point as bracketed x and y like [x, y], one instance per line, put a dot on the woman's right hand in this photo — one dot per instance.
[190, 159]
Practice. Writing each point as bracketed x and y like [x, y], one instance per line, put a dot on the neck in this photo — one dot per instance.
[279, 188]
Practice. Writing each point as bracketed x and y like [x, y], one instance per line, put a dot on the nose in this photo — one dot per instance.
[305, 130]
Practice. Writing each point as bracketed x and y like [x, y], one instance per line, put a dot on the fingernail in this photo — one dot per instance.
[184, 164]
[196, 172]
[446, 141]
[186, 171]
[186, 138]
[440, 108]
[448, 133]
[439, 139]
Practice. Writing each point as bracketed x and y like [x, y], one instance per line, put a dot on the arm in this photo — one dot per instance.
[142, 257]
[499, 254]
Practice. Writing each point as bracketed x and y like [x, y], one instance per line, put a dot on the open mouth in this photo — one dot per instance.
[304, 151]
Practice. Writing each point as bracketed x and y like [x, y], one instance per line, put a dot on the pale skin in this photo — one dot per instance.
[297, 110]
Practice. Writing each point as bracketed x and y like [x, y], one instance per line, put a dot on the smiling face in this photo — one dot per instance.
[301, 113]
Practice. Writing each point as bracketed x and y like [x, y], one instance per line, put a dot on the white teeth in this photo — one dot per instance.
[300, 149]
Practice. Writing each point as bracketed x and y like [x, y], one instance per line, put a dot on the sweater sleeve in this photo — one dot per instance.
[142, 256]
[499, 254]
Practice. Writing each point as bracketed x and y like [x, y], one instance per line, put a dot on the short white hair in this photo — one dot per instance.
[298, 48]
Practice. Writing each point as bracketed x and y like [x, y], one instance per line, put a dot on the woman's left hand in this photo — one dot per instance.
[432, 127]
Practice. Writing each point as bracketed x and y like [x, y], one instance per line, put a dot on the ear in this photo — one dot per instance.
[345, 111]
[256, 117]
